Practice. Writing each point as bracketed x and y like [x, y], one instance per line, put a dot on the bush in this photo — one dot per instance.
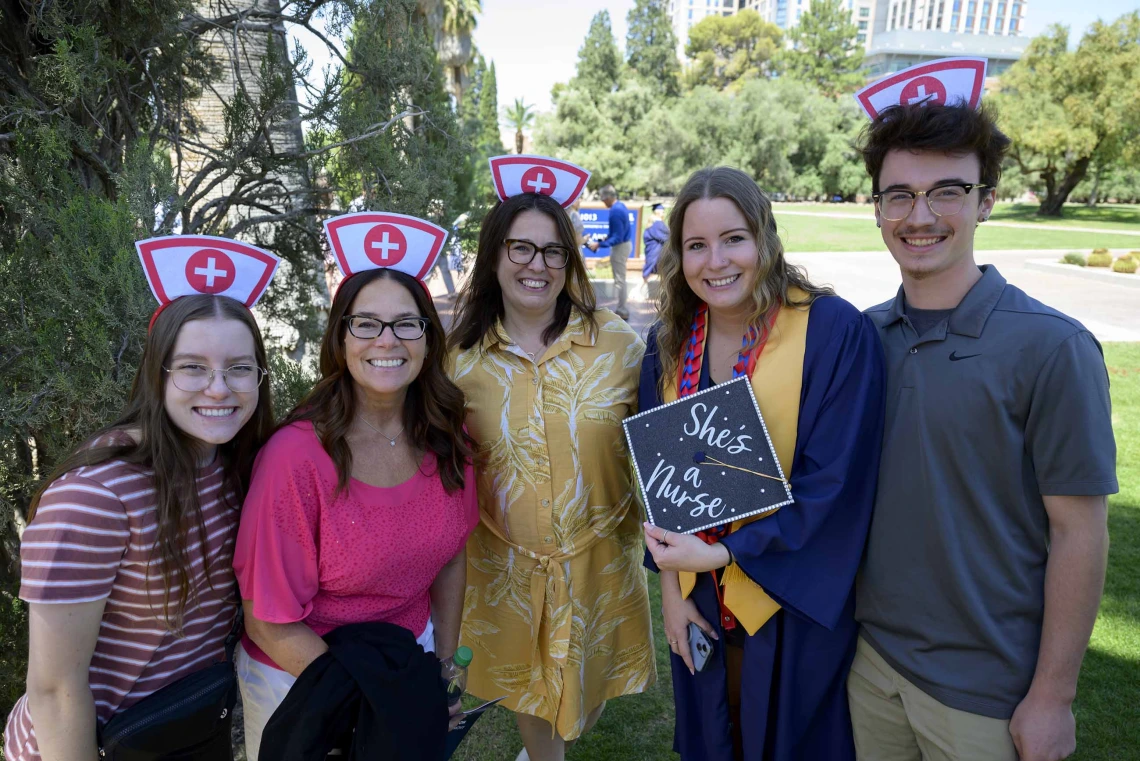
[1074, 258]
[1100, 250]
[1100, 258]
[13, 648]
[1125, 264]
[1134, 255]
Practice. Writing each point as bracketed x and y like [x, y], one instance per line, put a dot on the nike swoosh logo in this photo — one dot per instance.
[955, 356]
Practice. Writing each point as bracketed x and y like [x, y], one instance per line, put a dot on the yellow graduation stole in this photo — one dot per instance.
[776, 381]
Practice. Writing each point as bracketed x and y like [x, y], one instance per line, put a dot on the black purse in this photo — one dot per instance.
[187, 720]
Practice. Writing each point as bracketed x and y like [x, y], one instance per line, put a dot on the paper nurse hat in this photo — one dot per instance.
[947, 81]
[515, 175]
[370, 240]
[185, 265]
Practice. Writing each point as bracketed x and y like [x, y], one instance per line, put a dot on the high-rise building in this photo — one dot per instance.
[685, 13]
[895, 33]
[783, 13]
[908, 32]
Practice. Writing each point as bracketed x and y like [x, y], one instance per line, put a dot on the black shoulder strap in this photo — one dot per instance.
[236, 629]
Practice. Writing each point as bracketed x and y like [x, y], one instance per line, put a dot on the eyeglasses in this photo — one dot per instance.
[943, 201]
[241, 379]
[368, 328]
[523, 251]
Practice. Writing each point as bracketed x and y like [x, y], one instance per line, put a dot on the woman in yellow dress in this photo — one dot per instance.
[556, 608]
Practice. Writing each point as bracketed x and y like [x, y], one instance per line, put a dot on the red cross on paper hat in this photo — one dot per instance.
[184, 265]
[369, 240]
[561, 180]
[947, 81]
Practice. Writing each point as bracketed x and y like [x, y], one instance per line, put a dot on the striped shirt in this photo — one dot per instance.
[91, 539]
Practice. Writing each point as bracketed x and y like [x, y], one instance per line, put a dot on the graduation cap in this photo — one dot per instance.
[515, 175]
[947, 81]
[185, 265]
[370, 240]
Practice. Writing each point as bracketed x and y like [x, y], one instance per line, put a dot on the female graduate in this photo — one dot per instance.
[775, 593]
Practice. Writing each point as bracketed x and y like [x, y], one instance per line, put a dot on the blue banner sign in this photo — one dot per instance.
[597, 227]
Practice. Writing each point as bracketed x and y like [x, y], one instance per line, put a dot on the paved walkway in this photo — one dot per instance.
[990, 223]
[866, 278]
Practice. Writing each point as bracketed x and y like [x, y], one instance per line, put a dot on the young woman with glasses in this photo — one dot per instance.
[558, 613]
[362, 501]
[126, 561]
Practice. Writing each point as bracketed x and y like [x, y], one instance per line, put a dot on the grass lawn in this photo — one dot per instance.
[859, 233]
[1109, 690]
[640, 728]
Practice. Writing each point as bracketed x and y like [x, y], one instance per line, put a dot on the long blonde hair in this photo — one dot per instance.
[677, 304]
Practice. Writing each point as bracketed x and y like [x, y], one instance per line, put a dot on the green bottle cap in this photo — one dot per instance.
[463, 657]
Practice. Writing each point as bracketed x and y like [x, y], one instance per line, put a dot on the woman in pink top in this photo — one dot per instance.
[361, 503]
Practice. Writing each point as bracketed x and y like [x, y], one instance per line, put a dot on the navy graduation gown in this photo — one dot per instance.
[794, 695]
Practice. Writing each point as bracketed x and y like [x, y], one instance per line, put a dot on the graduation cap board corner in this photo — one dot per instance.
[706, 459]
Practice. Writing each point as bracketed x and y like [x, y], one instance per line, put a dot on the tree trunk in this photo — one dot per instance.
[518, 142]
[1057, 194]
[1091, 203]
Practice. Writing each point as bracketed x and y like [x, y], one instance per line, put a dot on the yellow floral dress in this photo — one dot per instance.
[556, 609]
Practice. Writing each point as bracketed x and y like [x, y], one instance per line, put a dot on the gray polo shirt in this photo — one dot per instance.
[1001, 403]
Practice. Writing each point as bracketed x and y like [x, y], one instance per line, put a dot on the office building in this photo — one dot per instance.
[908, 32]
[894, 33]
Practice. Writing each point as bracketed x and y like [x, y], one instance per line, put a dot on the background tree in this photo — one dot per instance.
[651, 45]
[489, 112]
[726, 50]
[413, 170]
[1066, 110]
[599, 62]
[519, 117]
[824, 51]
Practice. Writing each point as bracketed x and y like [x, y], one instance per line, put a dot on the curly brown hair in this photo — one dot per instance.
[434, 406]
[677, 303]
[952, 129]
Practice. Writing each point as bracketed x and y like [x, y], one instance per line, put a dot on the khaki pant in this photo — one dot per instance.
[896, 721]
[619, 258]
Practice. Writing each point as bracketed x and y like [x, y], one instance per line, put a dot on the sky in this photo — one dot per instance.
[534, 43]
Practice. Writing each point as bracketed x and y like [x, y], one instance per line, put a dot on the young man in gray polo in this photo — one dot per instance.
[986, 556]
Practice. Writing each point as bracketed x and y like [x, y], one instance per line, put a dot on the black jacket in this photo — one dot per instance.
[374, 679]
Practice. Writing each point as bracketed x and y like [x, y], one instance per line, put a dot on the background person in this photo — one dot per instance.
[620, 243]
[775, 592]
[557, 610]
[362, 501]
[653, 239]
[125, 562]
[987, 552]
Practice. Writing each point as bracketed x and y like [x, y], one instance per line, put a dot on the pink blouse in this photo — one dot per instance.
[371, 553]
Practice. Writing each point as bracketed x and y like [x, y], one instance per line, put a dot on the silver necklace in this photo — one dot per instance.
[391, 439]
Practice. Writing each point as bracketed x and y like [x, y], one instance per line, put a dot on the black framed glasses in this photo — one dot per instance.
[368, 328]
[943, 201]
[522, 252]
[193, 377]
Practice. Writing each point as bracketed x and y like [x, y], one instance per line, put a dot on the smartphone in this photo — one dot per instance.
[700, 647]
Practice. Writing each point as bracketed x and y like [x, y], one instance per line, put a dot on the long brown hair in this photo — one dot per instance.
[172, 454]
[433, 408]
[480, 304]
[775, 277]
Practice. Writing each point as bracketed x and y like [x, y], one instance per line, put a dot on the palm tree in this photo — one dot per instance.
[519, 116]
[459, 16]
